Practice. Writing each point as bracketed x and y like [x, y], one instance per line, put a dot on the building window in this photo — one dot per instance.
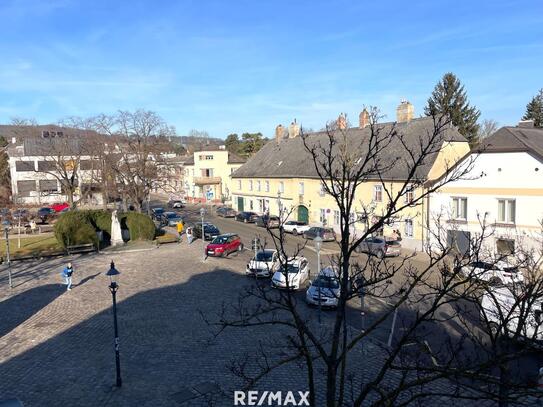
[505, 247]
[24, 188]
[48, 186]
[506, 210]
[258, 186]
[322, 189]
[281, 187]
[378, 193]
[251, 204]
[301, 188]
[251, 188]
[460, 208]
[23, 166]
[239, 185]
[267, 186]
[410, 195]
[322, 217]
[408, 227]
[336, 218]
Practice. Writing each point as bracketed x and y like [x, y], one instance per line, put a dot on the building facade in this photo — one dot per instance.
[281, 178]
[501, 202]
[207, 175]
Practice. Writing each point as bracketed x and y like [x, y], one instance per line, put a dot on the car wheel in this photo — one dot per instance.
[245, 220]
[380, 254]
[240, 247]
[358, 249]
[495, 281]
[294, 232]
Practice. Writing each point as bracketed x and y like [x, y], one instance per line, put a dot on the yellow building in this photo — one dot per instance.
[208, 175]
[282, 178]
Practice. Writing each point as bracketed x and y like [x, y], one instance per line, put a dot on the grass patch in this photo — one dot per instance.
[30, 245]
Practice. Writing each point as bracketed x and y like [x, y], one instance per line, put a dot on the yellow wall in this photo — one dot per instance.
[448, 156]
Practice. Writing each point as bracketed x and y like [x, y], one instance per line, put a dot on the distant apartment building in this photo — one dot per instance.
[282, 176]
[208, 173]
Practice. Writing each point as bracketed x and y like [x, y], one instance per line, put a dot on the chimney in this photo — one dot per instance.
[293, 129]
[404, 112]
[364, 119]
[279, 133]
[529, 124]
[342, 122]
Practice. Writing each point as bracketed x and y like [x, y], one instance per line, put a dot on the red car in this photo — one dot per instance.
[59, 207]
[223, 245]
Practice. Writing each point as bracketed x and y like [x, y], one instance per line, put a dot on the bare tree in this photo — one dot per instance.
[136, 153]
[422, 298]
[487, 128]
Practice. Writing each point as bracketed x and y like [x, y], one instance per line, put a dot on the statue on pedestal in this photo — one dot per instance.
[116, 235]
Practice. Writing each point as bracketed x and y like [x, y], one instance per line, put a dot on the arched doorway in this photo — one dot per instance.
[303, 214]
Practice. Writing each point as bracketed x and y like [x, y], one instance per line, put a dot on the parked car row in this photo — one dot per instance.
[44, 214]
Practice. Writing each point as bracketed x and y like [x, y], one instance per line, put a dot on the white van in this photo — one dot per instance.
[503, 309]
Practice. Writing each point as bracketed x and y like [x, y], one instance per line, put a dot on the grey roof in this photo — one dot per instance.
[60, 146]
[515, 139]
[290, 158]
[24, 132]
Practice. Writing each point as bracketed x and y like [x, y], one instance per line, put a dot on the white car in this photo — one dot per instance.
[263, 264]
[292, 274]
[295, 227]
[493, 272]
[325, 289]
[503, 310]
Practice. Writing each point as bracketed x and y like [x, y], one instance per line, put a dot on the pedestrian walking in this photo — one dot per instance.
[67, 274]
[189, 235]
[180, 231]
[33, 226]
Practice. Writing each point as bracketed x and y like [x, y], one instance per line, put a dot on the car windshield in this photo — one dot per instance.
[172, 215]
[510, 269]
[220, 240]
[326, 282]
[210, 228]
[158, 210]
[291, 268]
[264, 256]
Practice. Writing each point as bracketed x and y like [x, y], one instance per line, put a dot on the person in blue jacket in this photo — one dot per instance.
[67, 274]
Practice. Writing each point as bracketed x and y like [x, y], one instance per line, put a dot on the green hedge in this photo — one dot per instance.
[80, 226]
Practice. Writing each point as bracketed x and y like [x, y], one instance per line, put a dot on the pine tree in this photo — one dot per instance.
[449, 97]
[534, 110]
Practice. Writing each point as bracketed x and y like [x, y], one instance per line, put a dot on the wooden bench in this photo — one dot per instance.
[81, 248]
[45, 228]
[167, 238]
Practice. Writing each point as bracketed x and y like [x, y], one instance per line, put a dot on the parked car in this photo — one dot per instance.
[498, 272]
[59, 207]
[380, 247]
[156, 213]
[5, 214]
[325, 289]
[326, 234]
[295, 271]
[20, 215]
[171, 218]
[295, 227]
[504, 307]
[177, 203]
[223, 245]
[210, 231]
[46, 214]
[226, 212]
[246, 217]
[268, 221]
[263, 264]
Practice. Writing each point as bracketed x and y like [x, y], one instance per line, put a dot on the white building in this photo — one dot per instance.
[501, 197]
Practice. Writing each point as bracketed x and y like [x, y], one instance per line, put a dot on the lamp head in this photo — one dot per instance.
[202, 212]
[112, 273]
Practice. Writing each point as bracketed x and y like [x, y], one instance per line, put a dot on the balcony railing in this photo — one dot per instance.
[207, 180]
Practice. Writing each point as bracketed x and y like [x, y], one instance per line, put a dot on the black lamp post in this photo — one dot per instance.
[6, 224]
[113, 286]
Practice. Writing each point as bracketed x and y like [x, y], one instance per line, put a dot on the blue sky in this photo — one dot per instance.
[236, 66]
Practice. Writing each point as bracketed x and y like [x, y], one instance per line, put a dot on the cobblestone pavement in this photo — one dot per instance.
[56, 347]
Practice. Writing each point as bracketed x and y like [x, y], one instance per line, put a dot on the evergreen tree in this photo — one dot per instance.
[5, 182]
[449, 97]
[534, 110]
[232, 143]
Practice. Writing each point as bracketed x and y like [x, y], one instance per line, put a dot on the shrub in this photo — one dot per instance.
[140, 226]
[73, 228]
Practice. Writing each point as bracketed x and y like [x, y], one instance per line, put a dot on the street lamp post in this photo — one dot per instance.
[318, 244]
[202, 213]
[113, 287]
[6, 231]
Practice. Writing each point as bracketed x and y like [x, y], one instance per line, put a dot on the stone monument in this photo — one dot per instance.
[116, 235]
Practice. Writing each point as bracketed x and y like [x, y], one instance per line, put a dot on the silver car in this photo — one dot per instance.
[324, 290]
[379, 246]
[263, 264]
